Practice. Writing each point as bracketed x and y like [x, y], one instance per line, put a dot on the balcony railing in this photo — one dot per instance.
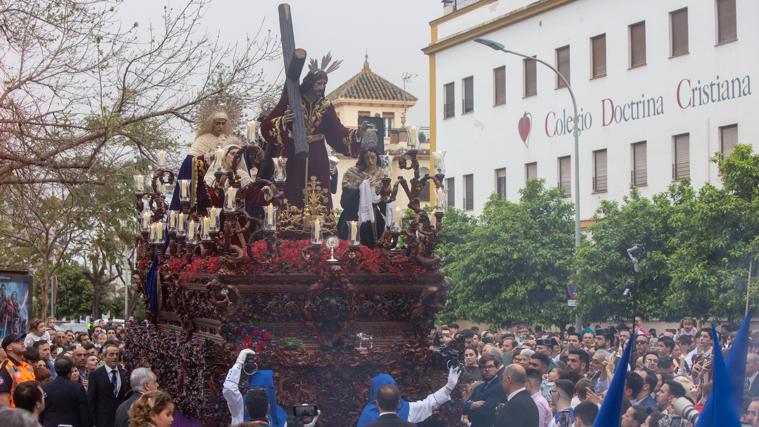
[600, 184]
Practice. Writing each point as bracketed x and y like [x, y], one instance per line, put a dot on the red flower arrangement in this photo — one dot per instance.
[253, 337]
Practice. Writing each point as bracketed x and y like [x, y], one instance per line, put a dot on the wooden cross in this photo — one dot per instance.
[294, 59]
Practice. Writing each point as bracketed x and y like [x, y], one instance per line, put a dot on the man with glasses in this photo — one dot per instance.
[480, 408]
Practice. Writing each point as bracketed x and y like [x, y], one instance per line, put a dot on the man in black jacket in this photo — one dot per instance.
[142, 381]
[519, 410]
[388, 398]
[107, 388]
[66, 401]
[480, 408]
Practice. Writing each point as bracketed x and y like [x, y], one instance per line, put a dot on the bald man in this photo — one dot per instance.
[519, 410]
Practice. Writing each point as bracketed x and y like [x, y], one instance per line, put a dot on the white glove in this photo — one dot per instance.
[244, 355]
[316, 418]
[453, 377]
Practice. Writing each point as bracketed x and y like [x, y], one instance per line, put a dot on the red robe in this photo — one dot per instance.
[322, 124]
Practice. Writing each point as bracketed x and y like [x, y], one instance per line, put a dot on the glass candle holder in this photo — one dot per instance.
[440, 201]
[184, 190]
[270, 217]
[230, 204]
[214, 214]
[280, 172]
[145, 221]
[439, 157]
[205, 229]
[181, 224]
[139, 183]
[387, 165]
[354, 232]
[173, 218]
[316, 232]
[157, 232]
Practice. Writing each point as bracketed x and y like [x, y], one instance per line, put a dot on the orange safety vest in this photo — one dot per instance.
[19, 372]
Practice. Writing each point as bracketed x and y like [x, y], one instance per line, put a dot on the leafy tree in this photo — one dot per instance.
[513, 262]
[75, 293]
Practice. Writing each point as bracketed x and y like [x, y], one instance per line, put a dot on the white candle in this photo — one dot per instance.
[159, 230]
[231, 194]
[439, 198]
[146, 219]
[412, 138]
[317, 229]
[206, 226]
[219, 156]
[354, 230]
[213, 215]
[398, 215]
[252, 127]
[191, 230]
[184, 188]
[162, 159]
[172, 219]
[270, 214]
[180, 222]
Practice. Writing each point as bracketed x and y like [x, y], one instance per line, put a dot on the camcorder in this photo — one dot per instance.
[303, 416]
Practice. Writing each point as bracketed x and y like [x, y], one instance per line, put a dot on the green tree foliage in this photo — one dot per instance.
[699, 246]
[513, 262]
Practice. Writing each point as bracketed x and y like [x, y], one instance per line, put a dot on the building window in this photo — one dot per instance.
[600, 178]
[388, 118]
[565, 175]
[499, 86]
[638, 44]
[681, 164]
[530, 171]
[678, 23]
[467, 101]
[598, 56]
[530, 78]
[449, 108]
[468, 192]
[562, 64]
[728, 137]
[424, 195]
[500, 183]
[450, 188]
[726, 26]
[639, 173]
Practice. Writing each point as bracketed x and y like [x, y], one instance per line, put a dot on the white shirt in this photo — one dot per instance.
[514, 393]
[109, 371]
[231, 392]
[422, 409]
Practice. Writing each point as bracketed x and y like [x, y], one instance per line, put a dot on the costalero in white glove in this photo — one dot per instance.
[246, 351]
[453, 377]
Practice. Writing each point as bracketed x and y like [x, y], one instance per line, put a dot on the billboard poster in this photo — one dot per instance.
[15, 301]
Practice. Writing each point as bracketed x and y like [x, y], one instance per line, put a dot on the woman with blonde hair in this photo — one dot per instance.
[152, 409]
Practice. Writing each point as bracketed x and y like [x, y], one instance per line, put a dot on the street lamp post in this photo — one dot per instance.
[498, 46]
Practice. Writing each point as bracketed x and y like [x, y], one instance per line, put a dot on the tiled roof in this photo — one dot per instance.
[368, 85]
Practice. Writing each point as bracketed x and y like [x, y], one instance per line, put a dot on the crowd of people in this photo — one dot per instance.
[524, 376]
[51, 377]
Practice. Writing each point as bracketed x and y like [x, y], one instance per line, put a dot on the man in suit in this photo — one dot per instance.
[66, 400]
[752, 374]
[388, 399]
[519, 410]
[142, 380]
[480, 408]
[107, 388]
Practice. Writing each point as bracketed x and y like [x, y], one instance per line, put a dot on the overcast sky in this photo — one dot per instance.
[392, 31]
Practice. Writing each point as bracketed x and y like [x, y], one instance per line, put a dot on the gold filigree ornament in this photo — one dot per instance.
[315, 205]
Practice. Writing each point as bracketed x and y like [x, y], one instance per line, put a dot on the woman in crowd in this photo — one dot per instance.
[152, 409]
[471, 370]
[37, 332]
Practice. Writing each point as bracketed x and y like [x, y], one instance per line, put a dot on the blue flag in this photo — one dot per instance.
[736, 360]
[611, 409]
[720, 409]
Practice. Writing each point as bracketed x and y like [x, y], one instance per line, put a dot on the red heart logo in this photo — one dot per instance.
[525, 123]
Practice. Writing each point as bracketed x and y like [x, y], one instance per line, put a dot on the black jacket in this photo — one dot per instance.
[492, 394]
[390, 420]
[122, 412]
[66, 403]
[520, 411]
[103, 403]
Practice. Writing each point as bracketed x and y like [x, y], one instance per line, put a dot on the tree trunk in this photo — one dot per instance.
[45, 292]
[97, 297]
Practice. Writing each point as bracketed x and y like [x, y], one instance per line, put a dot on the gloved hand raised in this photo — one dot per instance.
[244, 354]
[453, 377]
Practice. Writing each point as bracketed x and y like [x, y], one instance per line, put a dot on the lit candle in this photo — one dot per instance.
[180, 222]
[231, 194]
[317, 229]
[162, 159]
[219, 156]
[213, 216]
[270, 214]
[252, 127]
[354, 230]
[172, 220]
[184, 190]
[159, 230]
[398, 215]
[206, 226]
[439, 199]
[146, 219]
[139, 183]
[412, 138]
[191, 230]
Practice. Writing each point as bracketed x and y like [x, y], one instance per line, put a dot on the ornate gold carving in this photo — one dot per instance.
[315, 205]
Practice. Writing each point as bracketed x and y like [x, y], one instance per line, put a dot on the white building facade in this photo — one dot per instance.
[661, 86]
